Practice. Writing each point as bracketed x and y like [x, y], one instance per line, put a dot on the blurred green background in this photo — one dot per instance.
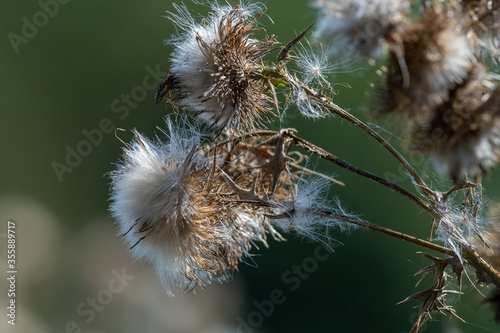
[70, 80]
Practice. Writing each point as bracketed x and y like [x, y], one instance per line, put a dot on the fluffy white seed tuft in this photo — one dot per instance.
[304, 216]
[174, 211]
[360, 25]
[216, 66]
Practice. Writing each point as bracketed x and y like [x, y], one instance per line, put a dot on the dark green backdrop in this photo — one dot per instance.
[67, 85]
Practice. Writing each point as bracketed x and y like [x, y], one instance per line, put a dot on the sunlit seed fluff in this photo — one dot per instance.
[432, 57]
[463, 136]
[308, 107]
[216, 68]
[460, 224]
[360, 25]
[315, 66]
[302, 214]
[173, 213]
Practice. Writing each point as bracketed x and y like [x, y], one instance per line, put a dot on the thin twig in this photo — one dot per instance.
[387, 231]
[340, 162]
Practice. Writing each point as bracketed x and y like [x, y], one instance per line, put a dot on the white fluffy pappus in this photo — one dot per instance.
[175, 217]
[148, 191]
[359, 25]
[308, 107]
[304, 215]
[315, 66]
[214, 67]
[458, 227]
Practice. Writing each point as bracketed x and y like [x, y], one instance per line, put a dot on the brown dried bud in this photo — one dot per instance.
[462, 137]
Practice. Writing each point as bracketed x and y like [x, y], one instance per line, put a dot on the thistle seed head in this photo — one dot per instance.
[178, 215]
[463, 136]
[431, 57]
[216, 69]
[360, 25]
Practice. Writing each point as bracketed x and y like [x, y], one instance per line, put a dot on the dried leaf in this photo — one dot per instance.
[433, 299]
[437, 268]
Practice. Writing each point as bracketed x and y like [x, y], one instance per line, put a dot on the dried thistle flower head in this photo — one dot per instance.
[263, 175]
[463, 136]
[360, 25]
[258, 169]
[194, 221]
[216, 68]
[174, 212]
[429, 58]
